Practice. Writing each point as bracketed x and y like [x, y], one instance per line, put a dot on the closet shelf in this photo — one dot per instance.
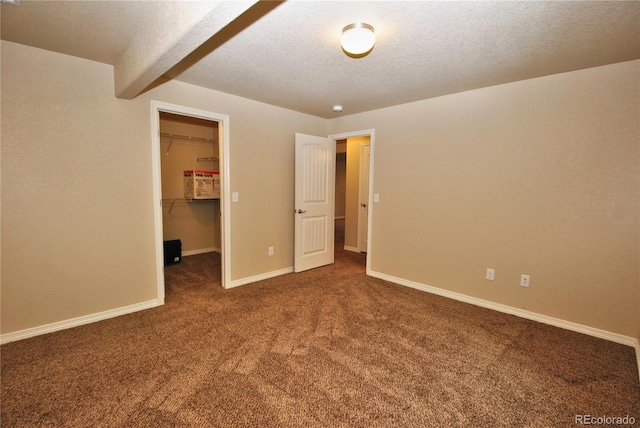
[185, 137]
[189, 200]
[188, 137]
[184, 200]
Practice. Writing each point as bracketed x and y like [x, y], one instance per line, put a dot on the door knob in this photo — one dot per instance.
[363, 205]
[299, 211]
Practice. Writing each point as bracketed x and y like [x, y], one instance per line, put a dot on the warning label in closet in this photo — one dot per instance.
[201, 184]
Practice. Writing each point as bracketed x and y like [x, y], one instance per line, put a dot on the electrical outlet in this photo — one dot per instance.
[524, 280]
[271, 251]
[491, 274]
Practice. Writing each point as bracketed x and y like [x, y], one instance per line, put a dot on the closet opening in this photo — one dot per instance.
[191, 218]
[190, 172]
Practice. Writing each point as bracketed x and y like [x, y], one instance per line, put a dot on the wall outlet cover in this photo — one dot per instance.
[491, 274]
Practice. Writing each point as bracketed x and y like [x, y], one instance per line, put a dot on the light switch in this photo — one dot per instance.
[235, 197]
[376, 197]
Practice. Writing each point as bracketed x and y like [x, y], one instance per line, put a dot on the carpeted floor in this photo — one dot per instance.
[325, 348]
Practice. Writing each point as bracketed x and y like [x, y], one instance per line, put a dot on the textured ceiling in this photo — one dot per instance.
[289, 54]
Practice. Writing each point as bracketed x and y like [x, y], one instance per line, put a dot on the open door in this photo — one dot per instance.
[314, 201]
[363, 198]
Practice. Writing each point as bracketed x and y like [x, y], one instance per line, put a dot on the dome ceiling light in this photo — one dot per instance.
[358, 39]
[337, 108]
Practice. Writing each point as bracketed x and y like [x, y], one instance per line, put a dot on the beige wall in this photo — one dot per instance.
[539, 177]
[196, 224]
[77, 205]
[77, 232]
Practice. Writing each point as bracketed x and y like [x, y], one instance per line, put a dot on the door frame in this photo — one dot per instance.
[371, 133]
[225, 231]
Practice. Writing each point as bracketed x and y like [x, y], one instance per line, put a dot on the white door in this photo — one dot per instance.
[363, 208]
[315, 163]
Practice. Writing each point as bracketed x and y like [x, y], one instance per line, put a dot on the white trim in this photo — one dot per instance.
[262, 276]
[157, 200]
[75, 322]
[225, 201]
[352, 134]
[556, 322]
[637, 347]
[372, 142]
[350, 248]
[225, 184]
[200, 251]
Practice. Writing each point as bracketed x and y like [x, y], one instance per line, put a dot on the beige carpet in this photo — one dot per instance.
[324, 348]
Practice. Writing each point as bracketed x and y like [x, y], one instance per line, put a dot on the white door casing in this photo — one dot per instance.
[314, 201]
[225, 238]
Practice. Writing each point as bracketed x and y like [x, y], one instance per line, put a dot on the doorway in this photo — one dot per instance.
[315, 193]
[352, 190]
[190, 174]
[179, 151]
[356, 189]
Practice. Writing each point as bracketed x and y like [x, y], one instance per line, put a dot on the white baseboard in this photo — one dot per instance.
[200, 251]
[267, 275]
[75, 322]
[556, 322]
[349, 248]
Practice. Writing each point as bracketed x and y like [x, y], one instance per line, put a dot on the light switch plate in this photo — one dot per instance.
[491, 274]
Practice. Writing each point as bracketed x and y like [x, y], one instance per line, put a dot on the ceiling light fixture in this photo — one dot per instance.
[358, 39]
[337, 108]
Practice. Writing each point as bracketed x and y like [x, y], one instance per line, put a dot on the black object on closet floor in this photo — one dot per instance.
[172, 251]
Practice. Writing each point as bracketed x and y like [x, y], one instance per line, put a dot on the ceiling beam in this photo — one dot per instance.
[175, 31]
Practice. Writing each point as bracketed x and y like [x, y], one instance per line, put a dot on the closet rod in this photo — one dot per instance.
[188, 137]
